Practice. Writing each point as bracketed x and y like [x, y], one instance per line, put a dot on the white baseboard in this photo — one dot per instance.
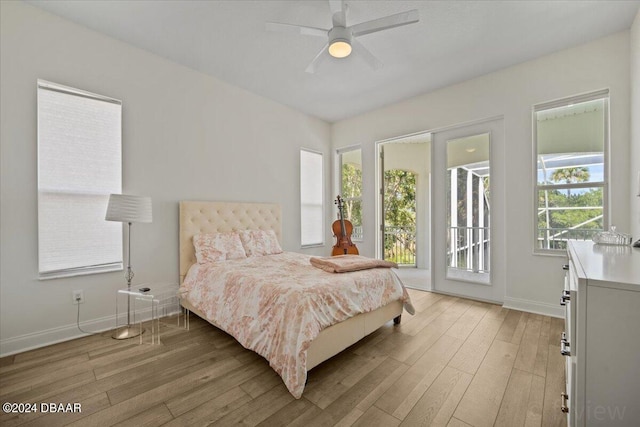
[452, 294]
[537, 307]
[51, 336]
[47, 337]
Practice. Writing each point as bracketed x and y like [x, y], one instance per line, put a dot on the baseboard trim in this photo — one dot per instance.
[51, 336]
[32, 341]
[519, 304]
[537, 307]
[451, 294]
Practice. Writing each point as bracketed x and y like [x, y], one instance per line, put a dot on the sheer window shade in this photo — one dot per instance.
[311, 196]
[79, 165]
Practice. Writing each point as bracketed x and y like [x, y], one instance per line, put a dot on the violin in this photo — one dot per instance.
[342, 229]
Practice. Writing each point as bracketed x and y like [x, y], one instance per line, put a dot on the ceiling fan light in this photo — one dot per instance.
[340, 48]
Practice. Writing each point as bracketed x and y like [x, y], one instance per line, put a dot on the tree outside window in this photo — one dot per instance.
[351, 188]
[400, 216]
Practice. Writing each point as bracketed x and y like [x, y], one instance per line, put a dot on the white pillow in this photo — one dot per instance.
[260, 242]
[218, 247]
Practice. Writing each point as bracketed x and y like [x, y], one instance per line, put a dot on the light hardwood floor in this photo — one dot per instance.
[455, 363]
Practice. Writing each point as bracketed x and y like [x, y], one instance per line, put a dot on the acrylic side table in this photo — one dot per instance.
[161, 300]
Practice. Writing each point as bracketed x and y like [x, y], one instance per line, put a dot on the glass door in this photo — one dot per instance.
[403, 177]
[464, 223]
[469, 208]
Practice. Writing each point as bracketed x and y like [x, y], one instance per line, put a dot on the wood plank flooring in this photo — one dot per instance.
[457, 362]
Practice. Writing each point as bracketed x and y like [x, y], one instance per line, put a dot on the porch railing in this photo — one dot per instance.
[469, 248]
[356, 234]
[556, 238]
[400, 245]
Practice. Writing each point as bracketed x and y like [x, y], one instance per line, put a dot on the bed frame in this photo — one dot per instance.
[209, 217]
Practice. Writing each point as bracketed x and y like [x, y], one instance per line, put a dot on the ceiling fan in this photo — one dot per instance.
[341, 39]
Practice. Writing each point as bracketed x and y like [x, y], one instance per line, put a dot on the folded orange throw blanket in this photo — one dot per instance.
[347, 263]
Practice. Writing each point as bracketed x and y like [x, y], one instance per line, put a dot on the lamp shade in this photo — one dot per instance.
[125, 208]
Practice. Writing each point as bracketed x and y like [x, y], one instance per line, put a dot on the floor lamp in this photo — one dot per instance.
[129, 209]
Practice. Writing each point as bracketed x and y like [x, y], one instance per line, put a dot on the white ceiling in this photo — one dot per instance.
[454, 41]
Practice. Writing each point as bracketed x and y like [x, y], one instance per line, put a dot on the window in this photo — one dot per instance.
[571, 139]
[79, 165]
[311, 199]
[350, 163]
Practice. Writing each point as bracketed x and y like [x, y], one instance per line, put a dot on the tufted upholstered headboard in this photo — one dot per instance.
[211, 217]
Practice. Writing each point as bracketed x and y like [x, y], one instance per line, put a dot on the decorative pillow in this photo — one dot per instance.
[218, 247]
[260, 242]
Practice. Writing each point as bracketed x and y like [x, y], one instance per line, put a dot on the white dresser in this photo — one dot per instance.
[601, 341]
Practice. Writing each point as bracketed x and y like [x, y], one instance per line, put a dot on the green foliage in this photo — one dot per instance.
[399, 209]
[351, 181]
[564, 219]
[400, 216]
[400, 255]
[399, 198]
[570, 176]
[352, 188]
[568, 218]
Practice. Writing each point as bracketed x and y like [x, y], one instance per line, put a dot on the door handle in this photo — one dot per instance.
[563, 407]
[565, 346]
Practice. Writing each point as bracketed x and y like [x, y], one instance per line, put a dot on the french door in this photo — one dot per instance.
[468, 211]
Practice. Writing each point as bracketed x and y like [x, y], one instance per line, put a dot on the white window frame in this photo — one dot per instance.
[339, 154]
[591, 96]
[57, 256]
[304, 220]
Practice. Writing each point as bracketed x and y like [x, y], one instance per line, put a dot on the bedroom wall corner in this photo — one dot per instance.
[186, 136]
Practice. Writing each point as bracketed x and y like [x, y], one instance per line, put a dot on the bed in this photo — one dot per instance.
[219, 217]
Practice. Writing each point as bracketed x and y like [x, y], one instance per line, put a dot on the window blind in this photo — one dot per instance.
[79, 165]
[311, 197]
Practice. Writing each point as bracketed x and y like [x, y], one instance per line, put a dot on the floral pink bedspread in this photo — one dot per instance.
[276, 305]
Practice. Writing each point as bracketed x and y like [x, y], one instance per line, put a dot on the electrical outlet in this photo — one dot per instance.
[78, 296]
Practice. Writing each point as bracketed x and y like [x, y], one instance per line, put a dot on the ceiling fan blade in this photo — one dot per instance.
[336, 6]
[338, 13]
[295, 29]
[320, 58]
[368, 57]
[391, 21]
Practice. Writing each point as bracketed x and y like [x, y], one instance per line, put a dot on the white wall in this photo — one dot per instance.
[533, 282]
[185, 136]
[635, 126]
